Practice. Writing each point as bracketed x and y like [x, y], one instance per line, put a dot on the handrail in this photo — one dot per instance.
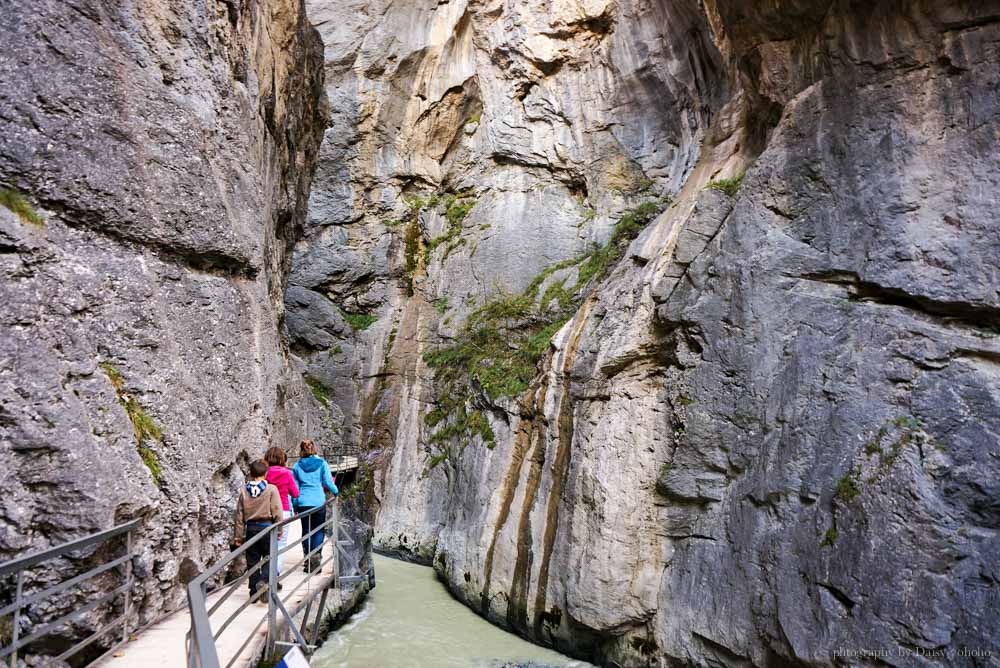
[34, 558]
[45, 593]
[340, 459]
[202, 649]
[42, 628]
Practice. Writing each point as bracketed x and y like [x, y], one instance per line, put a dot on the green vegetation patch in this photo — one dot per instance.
[152, 462]
[907, 428]
[728, 186]
[359, 322]
[847, 487]
[598, 263]
[436, 460]
[456, 208]
[18, 205]
[887, 444]
[411, 253]
[892, 437]
[874, 446]
[322, 393]
[829, 538]
[496, 353]
[536, 282]
[144, 427]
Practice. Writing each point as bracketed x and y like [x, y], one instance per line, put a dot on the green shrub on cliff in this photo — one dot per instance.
[320, 391]
[496, 353]
[143, 426]
[359, 322]
[19, 206]
[728, 186]
[847, 487]
[456, 208]
[491, 348]
[411, 252]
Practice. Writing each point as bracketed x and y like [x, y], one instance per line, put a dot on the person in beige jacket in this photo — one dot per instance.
[258, 508]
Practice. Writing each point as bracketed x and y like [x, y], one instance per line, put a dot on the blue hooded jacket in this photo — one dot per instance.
[312, 474]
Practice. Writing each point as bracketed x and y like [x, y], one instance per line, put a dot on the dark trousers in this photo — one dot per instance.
[256, 553]
[308, 524]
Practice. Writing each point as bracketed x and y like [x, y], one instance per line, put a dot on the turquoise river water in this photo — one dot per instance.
[411, 621]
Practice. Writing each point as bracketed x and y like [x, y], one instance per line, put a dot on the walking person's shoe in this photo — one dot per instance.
[261, 593]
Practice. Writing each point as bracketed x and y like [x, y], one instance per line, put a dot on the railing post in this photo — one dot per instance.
[335, 533]
[128, 583]
[202, 641]
[17, 617]
[272, 592]
[319, 617]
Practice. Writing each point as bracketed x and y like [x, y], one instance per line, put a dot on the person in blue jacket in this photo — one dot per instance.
[312, 474]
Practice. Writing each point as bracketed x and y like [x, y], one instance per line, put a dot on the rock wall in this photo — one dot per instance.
[160, 155]
[768, 434]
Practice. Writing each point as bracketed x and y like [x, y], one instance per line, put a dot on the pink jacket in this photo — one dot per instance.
[282, 478]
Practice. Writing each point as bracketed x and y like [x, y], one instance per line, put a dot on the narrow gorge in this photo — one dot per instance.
[668, 331]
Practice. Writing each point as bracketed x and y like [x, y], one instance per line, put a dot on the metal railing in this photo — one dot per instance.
[202, 642]
[20, 566]
[341, 459]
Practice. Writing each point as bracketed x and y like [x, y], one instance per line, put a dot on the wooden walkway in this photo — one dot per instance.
[162, 645]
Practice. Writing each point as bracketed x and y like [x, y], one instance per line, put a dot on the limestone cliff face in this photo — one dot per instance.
[767, 431]
[166, 150]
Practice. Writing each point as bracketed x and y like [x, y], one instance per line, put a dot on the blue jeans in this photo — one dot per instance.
[308, 524]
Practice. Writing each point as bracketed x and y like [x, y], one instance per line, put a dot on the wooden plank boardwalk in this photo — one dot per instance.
[162, 645]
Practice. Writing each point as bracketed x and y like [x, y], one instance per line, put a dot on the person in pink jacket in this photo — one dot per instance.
[282, 478]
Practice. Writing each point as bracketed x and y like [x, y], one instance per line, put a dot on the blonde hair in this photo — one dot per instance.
[307, 448]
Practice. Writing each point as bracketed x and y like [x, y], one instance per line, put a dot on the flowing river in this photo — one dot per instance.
[411, 621]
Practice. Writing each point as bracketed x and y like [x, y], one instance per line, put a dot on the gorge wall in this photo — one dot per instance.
[155, 162]
[670, 328]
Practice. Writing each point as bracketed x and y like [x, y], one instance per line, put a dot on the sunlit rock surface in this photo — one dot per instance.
[770, 434]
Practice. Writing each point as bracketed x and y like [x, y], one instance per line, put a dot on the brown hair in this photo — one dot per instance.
[307, 447]
[275, 456]
[258, 469]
